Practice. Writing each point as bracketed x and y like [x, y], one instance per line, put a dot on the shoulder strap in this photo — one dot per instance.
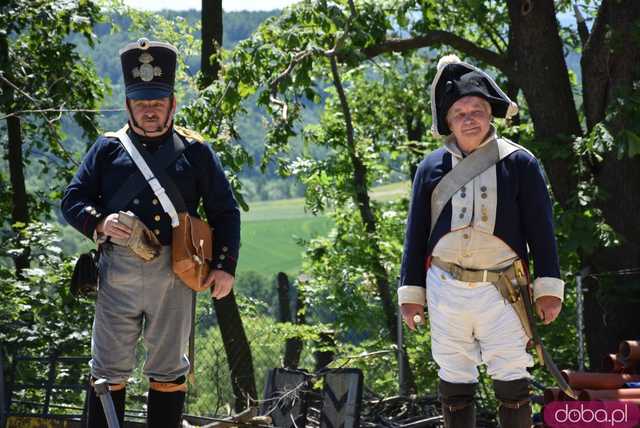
[188, 133]
[466, 170]
[166, 155]
[149, 175]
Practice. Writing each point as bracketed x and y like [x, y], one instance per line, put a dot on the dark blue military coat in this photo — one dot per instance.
[524, 218]
[197, 173]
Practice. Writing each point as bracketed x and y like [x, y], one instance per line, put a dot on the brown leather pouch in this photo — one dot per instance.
[192, 251]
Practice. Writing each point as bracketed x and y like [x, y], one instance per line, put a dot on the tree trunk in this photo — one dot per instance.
[19, 210]
[284, 308]
[415, 132]
[363, 202]
[538, 67]
[295, 345]
[609, 68]
[211, 39]
[292, 345]
[232, 331]
[237, 348]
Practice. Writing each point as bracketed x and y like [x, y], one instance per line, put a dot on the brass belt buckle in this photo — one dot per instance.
[456, 272]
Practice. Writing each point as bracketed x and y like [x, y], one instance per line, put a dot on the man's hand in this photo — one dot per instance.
[409, 311]
[548, 308]
[110, 226]
[222, 283]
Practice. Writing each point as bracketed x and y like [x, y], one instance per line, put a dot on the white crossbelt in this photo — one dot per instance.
[471, 166]
[157, 188]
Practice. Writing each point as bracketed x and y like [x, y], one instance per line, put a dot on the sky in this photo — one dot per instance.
[227, 5]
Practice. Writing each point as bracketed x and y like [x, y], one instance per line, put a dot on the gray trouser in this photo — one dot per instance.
[137, 297]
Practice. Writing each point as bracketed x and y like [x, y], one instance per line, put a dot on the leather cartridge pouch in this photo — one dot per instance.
[511, 293]
[141, 241]
[192, 251]
[84, 281]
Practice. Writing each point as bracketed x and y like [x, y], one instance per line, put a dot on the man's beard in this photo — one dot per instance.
[157, 126]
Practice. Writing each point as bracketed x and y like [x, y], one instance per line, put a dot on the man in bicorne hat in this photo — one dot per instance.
[138, 293]
[498, 217]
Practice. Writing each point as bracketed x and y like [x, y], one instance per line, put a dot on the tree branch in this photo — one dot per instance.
[343, 103]
[496, 39]
[297, 58]
[595, 60]
[438, 38]
[15, 115]
[59, 112]
[352, 8]
[583, 31]
[599, 28]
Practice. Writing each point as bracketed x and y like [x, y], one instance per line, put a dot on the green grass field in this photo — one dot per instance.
[270, 230]
[270, 246]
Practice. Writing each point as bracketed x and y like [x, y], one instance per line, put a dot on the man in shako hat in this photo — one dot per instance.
[494, 219]
[138, 292]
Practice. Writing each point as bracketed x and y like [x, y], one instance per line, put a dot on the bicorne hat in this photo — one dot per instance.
[456, 79]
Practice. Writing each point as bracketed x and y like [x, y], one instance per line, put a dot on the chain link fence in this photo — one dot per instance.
[210, 392]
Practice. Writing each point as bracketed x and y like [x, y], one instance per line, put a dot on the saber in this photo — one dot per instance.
[102, 390]
[545, 358]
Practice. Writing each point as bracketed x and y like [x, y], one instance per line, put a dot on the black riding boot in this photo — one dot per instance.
[515, 406]
[458, 408]
[95, 414]
[164, 409]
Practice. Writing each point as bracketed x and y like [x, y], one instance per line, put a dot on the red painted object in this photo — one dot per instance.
[551, 394]
[583, 380]
[612, 363]
[622, 394]
[629, 350]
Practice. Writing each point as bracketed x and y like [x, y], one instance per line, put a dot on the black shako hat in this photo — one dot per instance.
[149, 69]
[456, 79]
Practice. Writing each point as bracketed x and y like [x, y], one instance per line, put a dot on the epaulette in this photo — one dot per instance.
[523, 148]
[189, 134]
[113, 134]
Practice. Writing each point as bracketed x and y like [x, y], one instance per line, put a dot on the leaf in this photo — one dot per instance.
[634, 143]
[245, 90]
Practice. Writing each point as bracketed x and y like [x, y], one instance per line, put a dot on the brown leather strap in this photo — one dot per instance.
[457, 407]
[168, 386]
[471, 275]
[515, 404]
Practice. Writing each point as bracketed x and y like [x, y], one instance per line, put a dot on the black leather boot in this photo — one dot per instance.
[164, 409]
[95, 412]
[458, 408]
[515, 406]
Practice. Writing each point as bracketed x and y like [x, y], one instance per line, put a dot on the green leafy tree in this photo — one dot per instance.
[40, 318]
[42, 77]
[291, 59]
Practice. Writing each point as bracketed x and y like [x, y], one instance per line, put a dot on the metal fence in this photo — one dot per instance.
[57, 385]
